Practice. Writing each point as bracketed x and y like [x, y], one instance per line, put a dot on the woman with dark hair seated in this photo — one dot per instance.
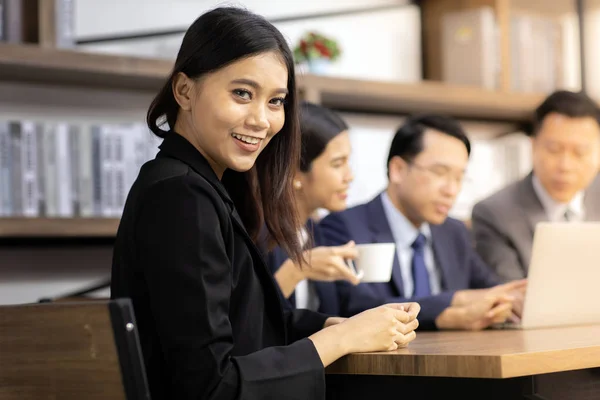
[321, 182]
[208, 311]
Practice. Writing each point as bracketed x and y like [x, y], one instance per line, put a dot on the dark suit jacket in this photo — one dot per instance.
[460, 266]
[504, 223]
[210, 321]
[327, 291]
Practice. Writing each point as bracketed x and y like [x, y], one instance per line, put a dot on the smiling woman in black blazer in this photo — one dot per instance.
[209, 316]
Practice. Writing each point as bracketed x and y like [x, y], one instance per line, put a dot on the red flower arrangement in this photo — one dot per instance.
[316, 46]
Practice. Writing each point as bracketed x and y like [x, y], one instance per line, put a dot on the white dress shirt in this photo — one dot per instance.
[405, 233]
[305, 294]
[556, 211]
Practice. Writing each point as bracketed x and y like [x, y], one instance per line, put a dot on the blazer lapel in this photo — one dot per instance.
[382, 233]
[592, 201]
[442, 250]
[534, 210]
[176, 146]
[260, 267]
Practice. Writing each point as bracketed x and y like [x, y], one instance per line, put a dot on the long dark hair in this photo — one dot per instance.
[264, 194]
[319, 125]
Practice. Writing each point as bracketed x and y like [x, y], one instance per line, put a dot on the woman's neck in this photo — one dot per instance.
[182, 129]
[304, 211]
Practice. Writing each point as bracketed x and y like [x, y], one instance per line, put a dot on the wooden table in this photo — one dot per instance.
[552, 364]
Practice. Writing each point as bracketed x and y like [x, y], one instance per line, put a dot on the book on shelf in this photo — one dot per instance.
[64, 170]
[537, 58]
[50, 23]
[11, 21]
[539, 50]
[471, 48]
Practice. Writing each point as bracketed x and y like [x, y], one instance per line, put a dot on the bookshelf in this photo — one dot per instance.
[47, 66]
[433, 12]
[29, 63]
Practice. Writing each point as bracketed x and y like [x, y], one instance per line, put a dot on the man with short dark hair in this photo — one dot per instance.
[563, 185]
[435, 263]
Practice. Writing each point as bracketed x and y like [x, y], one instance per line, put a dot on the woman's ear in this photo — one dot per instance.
[183, 88]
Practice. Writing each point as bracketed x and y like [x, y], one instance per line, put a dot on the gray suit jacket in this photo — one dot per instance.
[504, 223]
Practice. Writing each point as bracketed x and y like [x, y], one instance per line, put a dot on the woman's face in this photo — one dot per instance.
[326, 184]
[230, 115]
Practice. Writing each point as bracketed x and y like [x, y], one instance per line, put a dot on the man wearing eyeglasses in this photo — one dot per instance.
[563, 186]
[436, 264]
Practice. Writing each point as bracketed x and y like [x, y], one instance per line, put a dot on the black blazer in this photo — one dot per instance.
[209, 316]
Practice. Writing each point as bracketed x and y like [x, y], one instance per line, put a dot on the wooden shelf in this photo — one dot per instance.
[28, 63]
[430, 96]
[58, 227]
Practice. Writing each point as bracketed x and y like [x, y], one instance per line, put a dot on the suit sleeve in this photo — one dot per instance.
[188, 276]
[274, 261]
[356, 299]
[482, 276]
[303, 323]
[494, 247]
[333, 230]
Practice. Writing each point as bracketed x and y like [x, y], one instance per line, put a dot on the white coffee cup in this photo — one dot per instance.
[375, 261]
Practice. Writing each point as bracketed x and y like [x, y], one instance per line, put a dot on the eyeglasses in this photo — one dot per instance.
[442, 174]
[556, 150]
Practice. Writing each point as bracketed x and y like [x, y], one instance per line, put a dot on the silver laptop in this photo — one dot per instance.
[564, 276]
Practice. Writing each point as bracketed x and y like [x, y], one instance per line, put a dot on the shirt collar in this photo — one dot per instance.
[403, 231]
[554, 209]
